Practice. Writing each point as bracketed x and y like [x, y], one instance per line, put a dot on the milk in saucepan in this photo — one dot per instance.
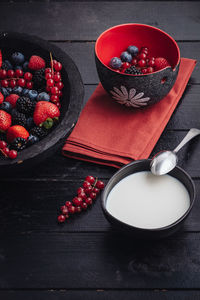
[147, 201]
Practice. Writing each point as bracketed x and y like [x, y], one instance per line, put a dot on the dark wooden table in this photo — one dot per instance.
[87, 259]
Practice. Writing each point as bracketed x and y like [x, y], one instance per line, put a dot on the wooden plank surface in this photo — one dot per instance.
[180, 19]
[98, 261]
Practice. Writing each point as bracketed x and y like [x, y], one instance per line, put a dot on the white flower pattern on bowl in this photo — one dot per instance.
[129, 98]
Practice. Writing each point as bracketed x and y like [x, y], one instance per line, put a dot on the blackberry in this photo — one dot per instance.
[39, 132]
[25, 105]
[19, 119]
[133, 70]
[18, 144]
[39, 80]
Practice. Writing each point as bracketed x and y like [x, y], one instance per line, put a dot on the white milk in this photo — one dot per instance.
[147, 201]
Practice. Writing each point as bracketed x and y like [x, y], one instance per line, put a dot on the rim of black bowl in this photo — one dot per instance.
[139, 24]
[103, 200]
[59, 133]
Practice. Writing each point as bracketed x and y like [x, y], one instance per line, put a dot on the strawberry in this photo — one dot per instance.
[5, 120]
[1, 98]
[161, 63]
[15, 132]
[36, 63]
[45, 113]
[12, 99]
[0, 59]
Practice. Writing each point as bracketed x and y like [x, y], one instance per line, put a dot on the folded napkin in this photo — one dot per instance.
[111, 134]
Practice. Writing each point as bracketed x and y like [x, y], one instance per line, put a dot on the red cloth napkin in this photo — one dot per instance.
[111, 134]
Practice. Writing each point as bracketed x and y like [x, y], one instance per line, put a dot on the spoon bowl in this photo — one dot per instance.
[163, 162]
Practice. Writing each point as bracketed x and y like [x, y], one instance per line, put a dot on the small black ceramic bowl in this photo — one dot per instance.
[136, 90]
[71, 101]
[138, 166]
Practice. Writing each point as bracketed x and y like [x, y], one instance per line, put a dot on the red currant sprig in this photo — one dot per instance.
[85, 197]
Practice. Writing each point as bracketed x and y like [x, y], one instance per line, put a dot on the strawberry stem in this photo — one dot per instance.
[51, 58]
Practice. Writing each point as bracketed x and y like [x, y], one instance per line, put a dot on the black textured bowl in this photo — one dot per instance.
[136, 90]
[71, 102]
[138, 166]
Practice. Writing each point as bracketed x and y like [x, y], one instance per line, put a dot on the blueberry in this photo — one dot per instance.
[115, 62]
[6, 106]
[18, 67]
[8, 64]
[32, 94]
[13, 112]
[25, 92]
[4, 92]
[18, 58]
[32, 139]
[9, 89]
[25, 66]
[17, 90]
[30, 123]
[133, 50]
[43, 97]
[125, 56]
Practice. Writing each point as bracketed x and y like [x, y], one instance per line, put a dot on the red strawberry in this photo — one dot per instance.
[12, 99]
[0, 59]
[161, 63]
[44, 114]
[36, 63]
[1, 98]
[5, 120]
[15, 132]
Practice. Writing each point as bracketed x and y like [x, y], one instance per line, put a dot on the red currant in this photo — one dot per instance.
[144, 71]
[57, 77]
[71, 209]
[50, 82]
[60, 85]
[29, 85]
[4, 83]
[96, 190]
[134, 62]
[80, 190]
[48, 70]
[10, 73]
[88, 201]
[141, 63]
[78, 209]
[48, 88]
[68, 203]
[64, 210]
[82, 195]
[58, 105]
[150, 70]
[54, 89]
[21, 82]
[86, 184]
[151, 63]
[12, 83]
[57, 66]
[60, 93]
[84, 205]
[6, 150]
[88, 190]
[28, 76]
[54, 98]
[48, 76]
[142, 55]
[3, 144]
[90, 179]
[100, 185]
[12, 154]
[61, 218]
[93, 195]
[19, 73]
[3, 74]
[77, 201]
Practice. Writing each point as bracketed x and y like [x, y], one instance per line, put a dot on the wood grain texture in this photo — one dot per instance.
[98, 261]
[34, 206]
[101, 295]
[180, 19]
[83, 56]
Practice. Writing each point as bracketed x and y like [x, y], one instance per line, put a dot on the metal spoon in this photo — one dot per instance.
[165, 161]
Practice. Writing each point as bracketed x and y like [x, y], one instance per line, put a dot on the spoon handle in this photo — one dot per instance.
[190, 135]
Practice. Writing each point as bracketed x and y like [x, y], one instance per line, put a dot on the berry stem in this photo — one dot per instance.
[3, 153]
[96, 179]
[51, 58]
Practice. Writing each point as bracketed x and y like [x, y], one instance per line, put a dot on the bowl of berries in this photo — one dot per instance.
[137, 64]
[41, 95]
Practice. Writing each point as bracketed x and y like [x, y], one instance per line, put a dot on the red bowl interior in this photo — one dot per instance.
[116, 40]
